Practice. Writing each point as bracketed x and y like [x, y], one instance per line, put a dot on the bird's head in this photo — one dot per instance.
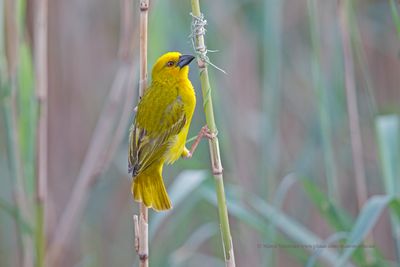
[172, 65]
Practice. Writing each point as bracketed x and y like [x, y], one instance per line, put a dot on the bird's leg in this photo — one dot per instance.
[204, 132]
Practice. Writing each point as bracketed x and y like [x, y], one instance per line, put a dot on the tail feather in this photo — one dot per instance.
[150, 190]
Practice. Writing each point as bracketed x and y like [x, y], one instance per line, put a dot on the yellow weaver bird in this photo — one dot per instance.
[158, 134]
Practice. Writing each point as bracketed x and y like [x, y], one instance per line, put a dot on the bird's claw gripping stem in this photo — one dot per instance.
[204, 132]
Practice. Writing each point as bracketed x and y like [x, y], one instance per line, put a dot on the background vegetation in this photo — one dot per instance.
[284, 131]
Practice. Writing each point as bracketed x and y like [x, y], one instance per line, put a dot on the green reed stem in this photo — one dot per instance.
[9, 56]
[41, 75]
[395, 16]
[321, 97]
[214, 145]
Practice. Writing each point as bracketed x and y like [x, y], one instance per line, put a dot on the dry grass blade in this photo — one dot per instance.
[103, 143]
[40, 61]
[89, 170]
[352, 106]
[9, 73]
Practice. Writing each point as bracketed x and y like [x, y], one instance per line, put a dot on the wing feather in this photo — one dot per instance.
[149, 143]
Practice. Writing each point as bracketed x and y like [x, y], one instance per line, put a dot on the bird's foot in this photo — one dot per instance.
[204, 132]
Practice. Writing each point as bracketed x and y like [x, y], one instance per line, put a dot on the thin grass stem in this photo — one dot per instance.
[40, 61]
[10, 46]
[321, 97]
[344, 15]
[352, 105]
[142, 224]
[395, 15]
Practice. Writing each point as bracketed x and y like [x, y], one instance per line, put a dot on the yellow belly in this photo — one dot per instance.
[177, 146]
[187, 94]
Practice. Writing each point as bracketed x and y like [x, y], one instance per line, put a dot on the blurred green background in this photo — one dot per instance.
[283, 123]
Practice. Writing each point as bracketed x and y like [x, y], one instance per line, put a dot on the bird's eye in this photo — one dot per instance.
[170, 63]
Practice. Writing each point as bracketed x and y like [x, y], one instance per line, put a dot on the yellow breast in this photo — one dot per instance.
[188, 96]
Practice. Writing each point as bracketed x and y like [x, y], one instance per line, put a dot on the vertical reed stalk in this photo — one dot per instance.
[352, 109]
[9, 47]
[271, 101]
[395, 16]
[352, 106]
[144, 14]
[271, 94]
[142, 225]
[40, 61]
[388, 133]
[213, 143]
[321, 98]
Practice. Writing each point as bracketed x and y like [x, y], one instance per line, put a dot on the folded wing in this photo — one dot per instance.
[152, 134]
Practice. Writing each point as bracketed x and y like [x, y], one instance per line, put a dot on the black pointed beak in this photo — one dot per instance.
[184, 60]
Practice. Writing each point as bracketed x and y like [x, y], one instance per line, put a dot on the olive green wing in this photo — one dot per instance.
[150, 139]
